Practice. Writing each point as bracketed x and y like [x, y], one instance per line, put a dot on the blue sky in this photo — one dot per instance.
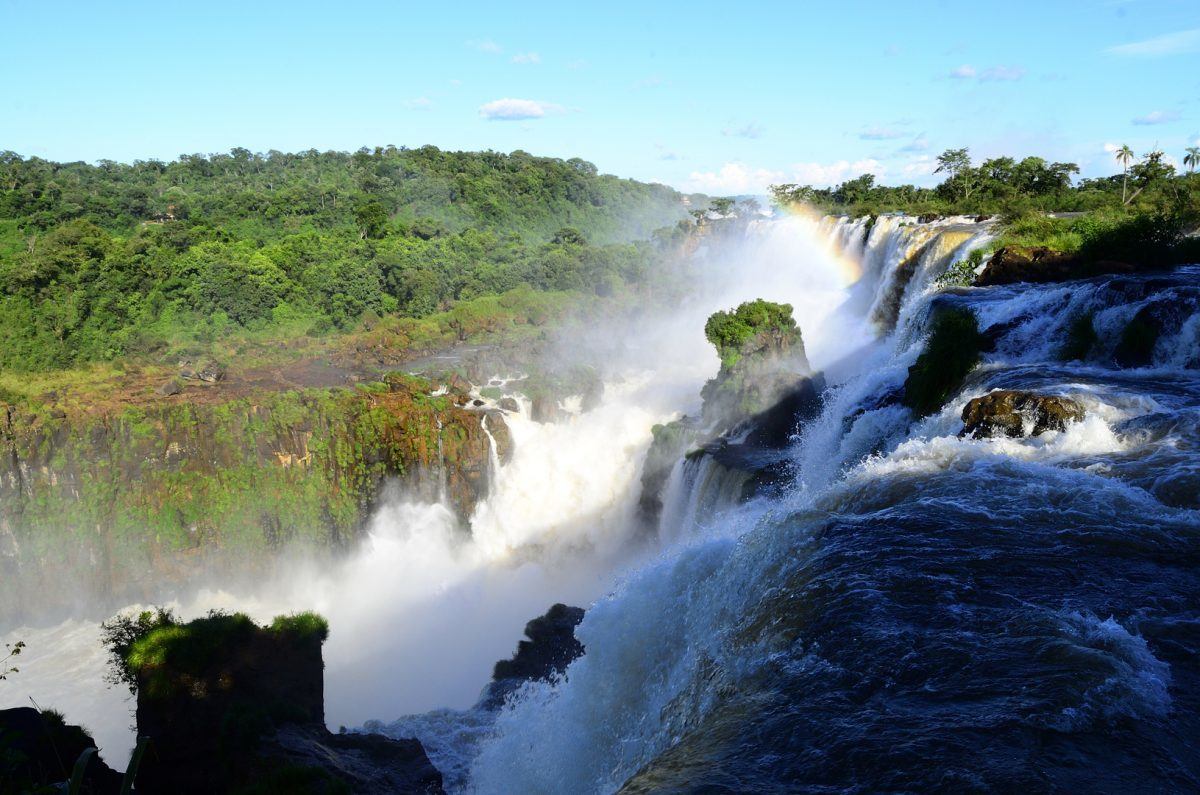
[719, 97]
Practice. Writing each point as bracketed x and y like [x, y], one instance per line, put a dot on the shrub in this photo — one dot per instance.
[951, 352]
[1081, 336]
[730, 331]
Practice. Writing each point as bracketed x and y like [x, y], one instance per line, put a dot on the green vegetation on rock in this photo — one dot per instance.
[951, 352]
[752, 326]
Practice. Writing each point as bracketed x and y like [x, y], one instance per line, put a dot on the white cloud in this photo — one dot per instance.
[1157, 117]
[419, 103]
[880, 134]
[750, 130]
[739, 178]
[991, 74]
[920, 166]
[734, 178]
[1182, 41]
[918, 144]
[1001, 73]
[509, 109]
[1111, 148]
[825, 174]
[527, 58]
[485, 45]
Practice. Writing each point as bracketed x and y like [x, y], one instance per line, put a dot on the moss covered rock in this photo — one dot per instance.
[952, 351]
[1015, 413]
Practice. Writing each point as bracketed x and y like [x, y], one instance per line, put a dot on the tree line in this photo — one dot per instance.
[99, 261]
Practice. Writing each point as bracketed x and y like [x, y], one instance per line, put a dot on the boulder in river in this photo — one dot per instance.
[1014, 413]
[550, 647]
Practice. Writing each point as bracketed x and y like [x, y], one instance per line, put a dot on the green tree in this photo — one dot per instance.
[372, 218]
[1191, 158]
[1124, 156]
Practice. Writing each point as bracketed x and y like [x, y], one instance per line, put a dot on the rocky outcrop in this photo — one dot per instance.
[1039, 264]
[128, 502]
[550, 647]
[226, 702]
[951, 352]
[1014, 413]
[761, 393]
[39, 750]
[762, 362]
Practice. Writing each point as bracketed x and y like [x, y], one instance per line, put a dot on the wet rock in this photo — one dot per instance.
[229, 703]
[171, 387]
[670, 442]
[1009, 412]
[510, 404]
[1039, 264]
[927, 218]
[457, 385]
[550, 647]
[39, 749]
[477, 403]
[502, 436]
[211, 375]
[593, 393]
[545, 409]
[367, 763]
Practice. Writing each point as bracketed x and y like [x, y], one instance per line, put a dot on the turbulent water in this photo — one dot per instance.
[908, 611]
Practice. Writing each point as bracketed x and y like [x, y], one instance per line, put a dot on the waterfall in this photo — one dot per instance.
[717, 660]
[823, 631]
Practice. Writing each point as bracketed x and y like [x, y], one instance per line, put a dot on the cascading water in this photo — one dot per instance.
[918, 611]
[911, 611]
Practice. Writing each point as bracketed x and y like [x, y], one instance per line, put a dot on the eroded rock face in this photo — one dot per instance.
[1039, 264]
[122, 503]
[1014, 413]
[550, 647]
[227, 703]
[39, 750]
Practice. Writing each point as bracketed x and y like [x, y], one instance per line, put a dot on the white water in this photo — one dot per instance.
[421, 613]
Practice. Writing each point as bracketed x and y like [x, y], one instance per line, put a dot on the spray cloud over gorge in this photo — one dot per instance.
[1001, 590]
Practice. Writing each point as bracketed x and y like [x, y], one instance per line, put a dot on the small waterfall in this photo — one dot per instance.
[699, 489]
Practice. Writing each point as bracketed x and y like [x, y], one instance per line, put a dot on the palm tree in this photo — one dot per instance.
[1124, 156]
[1192, 158]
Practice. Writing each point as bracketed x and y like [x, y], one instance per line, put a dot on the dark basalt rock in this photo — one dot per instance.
[510, 404]
[1039, 264]
[550, 648]
[367, 763]
[1008, 411]
[38, 750]
[227, 703]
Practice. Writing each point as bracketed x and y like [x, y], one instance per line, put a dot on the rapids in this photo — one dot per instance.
[906, 610]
